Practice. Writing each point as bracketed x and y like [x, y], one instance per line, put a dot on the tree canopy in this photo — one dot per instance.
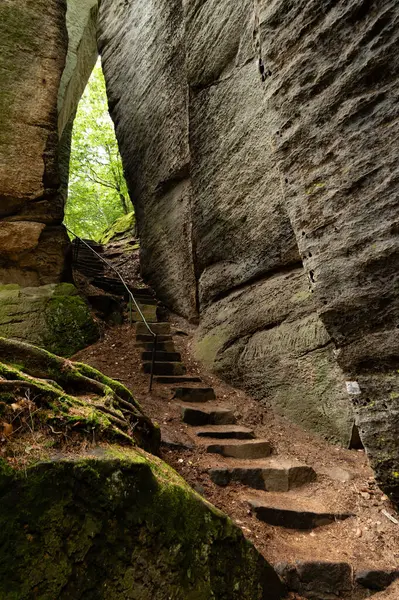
[97, 191]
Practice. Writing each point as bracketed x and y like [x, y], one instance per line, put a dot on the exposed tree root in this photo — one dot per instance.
[72, 393]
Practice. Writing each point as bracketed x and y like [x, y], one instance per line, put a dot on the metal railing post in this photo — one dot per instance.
[154, 351]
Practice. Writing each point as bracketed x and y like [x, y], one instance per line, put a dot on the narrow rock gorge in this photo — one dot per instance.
[259, 142]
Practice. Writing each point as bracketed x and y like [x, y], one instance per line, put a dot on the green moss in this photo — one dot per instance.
[69, 325]
[63, 410]
[124, 526]
[123, 225]
[52, 316]
[301, 296]
[207, 348]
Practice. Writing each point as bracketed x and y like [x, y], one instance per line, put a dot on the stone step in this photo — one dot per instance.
[291, 514]
[162, 356]
[376, 580]
[146, 301]
[173, 379]
[226, 432]
[272, 475]
[115, 286]
[211, 415]
[193, 394]
[165, 368]
[161, 328]
[317, 579]
[149, 313]
[241, 449]
[167, 346]
[149, 339]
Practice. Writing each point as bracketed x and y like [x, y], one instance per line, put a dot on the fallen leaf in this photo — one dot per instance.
[7, 429]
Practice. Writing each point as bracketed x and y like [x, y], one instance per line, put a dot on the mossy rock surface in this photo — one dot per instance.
[124, 226]
[118, 526]
[53, 316]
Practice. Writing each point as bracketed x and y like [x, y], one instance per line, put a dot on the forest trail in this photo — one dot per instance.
[312, 509]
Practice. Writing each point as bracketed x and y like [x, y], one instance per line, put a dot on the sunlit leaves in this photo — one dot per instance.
[97, 193]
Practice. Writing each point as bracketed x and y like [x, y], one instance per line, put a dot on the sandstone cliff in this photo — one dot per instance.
[258, 140]
[33, 49]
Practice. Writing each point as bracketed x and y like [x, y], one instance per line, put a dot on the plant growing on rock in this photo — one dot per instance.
[64, 395]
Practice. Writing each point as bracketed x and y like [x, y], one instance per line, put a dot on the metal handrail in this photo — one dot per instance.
[131, 297]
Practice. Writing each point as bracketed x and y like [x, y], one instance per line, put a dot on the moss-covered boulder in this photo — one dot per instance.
[120, 526]
[122, 229]
[52, 316]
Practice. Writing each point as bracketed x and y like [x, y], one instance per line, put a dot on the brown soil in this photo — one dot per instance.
[368, 540]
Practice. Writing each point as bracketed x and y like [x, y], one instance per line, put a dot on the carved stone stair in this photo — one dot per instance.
[162, 356]
[165, 368]
[195, 394]
[240, 449]
[227, 432]
[171, 379]
[209, 415]
[274, 475]
[290, 513]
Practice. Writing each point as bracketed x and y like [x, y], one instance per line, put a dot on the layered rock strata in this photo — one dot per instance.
[261, 137]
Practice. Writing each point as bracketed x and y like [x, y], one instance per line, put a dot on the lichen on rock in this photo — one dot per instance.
[122, 228]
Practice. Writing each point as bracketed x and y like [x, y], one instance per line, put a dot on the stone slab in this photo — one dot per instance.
[275, 475]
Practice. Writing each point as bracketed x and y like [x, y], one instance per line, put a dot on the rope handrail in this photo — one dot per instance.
[110, 266]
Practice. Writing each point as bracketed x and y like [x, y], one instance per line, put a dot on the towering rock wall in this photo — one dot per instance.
[33, 44]
[142, 50]
[259, 324]
[332, 100]
[259, 143]
[47, 52]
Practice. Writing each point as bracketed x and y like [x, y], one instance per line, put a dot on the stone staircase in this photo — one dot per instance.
[241, 457]
[250, 461]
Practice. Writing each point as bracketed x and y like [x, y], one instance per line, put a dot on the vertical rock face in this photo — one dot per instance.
[334, 114]
[142, 47]
[33, 46]
[258, 319]
[259, 144]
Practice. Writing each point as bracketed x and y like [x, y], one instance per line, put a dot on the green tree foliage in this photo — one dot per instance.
[97, 192]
